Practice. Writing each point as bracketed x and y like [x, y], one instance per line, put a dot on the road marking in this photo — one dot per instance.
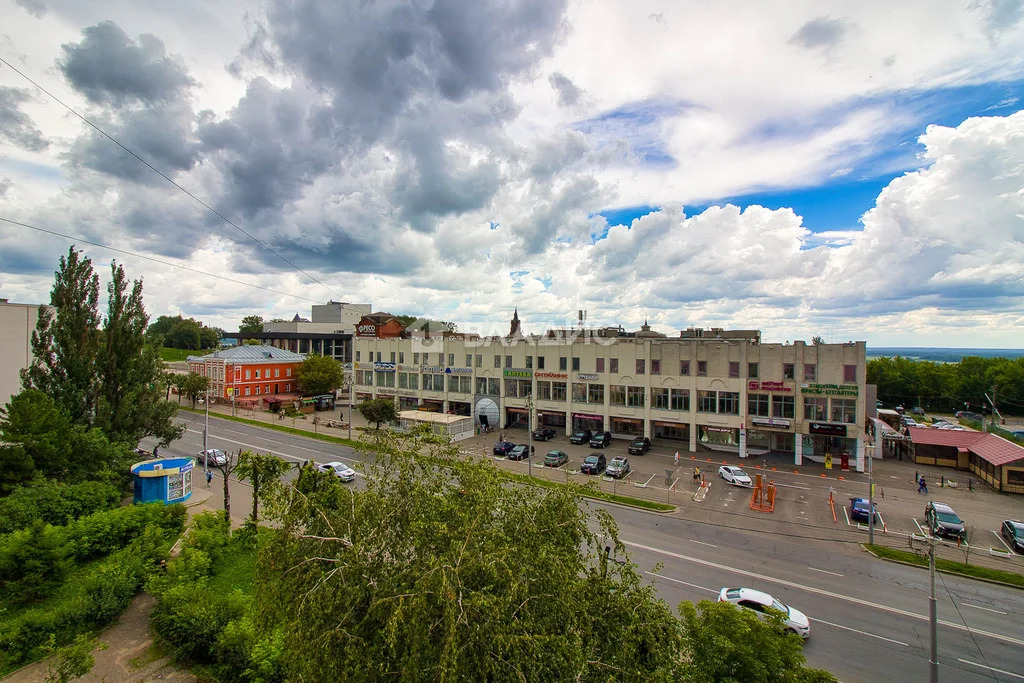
[987, 609]
[822, 592]
[845, 514]
[703, 543]
[685, 583]
[825, 571]
[863, 633]
[281, 454]
[918, 524]
[788, 486]
[1008, 548]
[989, 668]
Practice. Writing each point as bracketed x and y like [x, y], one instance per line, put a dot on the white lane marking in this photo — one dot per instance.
[1000, 537]
[685, 583]
[863, 633]
[788, 486]
[987, 609]
[825, 571]
[825, 593]
[845, 514]
[918, 524]
[264, 448]
[703, 543]
[989, 668]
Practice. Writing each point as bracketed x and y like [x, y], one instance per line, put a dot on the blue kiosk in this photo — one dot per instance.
[165, 480]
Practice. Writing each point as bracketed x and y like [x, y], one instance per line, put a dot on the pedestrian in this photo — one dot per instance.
[696, 474]
[209, 477]
[156, 451]
[924, 485]
[921, 486]
[676, 459]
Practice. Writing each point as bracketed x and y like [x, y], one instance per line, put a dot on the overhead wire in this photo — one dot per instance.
[155, 260]
[166, 177]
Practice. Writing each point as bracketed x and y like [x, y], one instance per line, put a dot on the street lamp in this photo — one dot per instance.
[871, 496]
[529, 429]
[206, 432]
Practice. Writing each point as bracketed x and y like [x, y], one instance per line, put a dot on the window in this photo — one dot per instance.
[659, 398]
[288, 386]
[617, 394]
[595, 393]
[403, 380]
[575, 364]
[752, 370]
[460, 384]
[558, 391]
[788, 371]
[416, 358]
[734, 368]
[378, 356]
[385, 379]
[758, 404]
[529, 362]
[562, 364]
[479, 360]
[579, 392]
[288, 372]
[266, 389]
[277, 372]
[655, 367]
[815, 408]
[401, 356]
[469, 360]
[357, 356]
[481, 385]
[849, 374]
[540, 362]
[451, 360]
[494, 386]
[684, 368]
[702, 368]
[257, 389]
[440, 358]
[508, 361]
[640, 366]
[247, 390]
[600, 365]
[810, 372]
[497, 361]
[635, 397]
[844, 410]
[614, 363]
[707, 401]
[248, 374]
[393, 356]
[679, 399]
[544, 391]
[729, 402]
[783, 406]
[414, 380]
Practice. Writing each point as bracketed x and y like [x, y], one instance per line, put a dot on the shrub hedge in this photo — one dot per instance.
[55, 503]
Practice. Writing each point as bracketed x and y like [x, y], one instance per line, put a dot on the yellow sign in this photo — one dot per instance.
[231, 391]
[828, 461]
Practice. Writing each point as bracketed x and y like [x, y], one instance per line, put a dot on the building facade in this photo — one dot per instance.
[248, 371]
[17, 321]
[715, 389]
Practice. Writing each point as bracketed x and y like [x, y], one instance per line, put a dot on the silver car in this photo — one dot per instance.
[734, 475]
[212, 457]
[338, 469]
[760, 602]
[618, 467]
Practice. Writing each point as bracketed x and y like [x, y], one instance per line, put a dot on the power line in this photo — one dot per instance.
[155, 260]
[166, 177]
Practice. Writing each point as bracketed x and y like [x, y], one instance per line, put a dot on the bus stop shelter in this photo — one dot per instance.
[455, 427]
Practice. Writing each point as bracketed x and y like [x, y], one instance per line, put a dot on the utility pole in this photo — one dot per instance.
[871, 497]
[529, 429]
[206, 433]
[933, 662]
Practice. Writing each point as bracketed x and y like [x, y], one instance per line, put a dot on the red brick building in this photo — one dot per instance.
[379, 325]
[249, 371]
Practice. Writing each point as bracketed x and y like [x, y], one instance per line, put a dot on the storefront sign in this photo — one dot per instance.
[366, 330]
[519, 411]
[403, 392]
[556, 375]
[830, 389]
[826, 429]
[720, 430]
[432, 368]
[384, 367]
[755, 385]
[584, 416]
[364, 366]
[525, 374]
[459, 371]
[551, 412]
[777, 423]
[586, 376]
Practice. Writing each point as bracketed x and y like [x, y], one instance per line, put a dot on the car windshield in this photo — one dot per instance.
[779, 606]
[591, 459]
[738, 473]
[947, 517]
[339, 467]
[1017, 530]
[553, 454]
[618, 461]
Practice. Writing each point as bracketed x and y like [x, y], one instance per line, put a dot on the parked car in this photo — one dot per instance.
[581, 436]
[967, 415]
[878, 404]
[1014, 533]
[520, 452]
[555, 458]
[943, 521]
[859, 509]
[761, 602]
[543, 433]
[338, 469]
[1017, 433]
[734, 475]
[601, 439]
[639, 445]
[503, 447]
[594, 464]
[618, 467]
[917, 410]
[936, 421]
[212, 457]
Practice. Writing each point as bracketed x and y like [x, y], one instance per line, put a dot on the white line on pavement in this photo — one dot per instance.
[845, 514]
[703, 543]
[863, 633]
[825, 571]
[987, 609]
[1008, 548]
[685, 583]
[822, 592]
[989, 668]
[788, 486]
[264, 448]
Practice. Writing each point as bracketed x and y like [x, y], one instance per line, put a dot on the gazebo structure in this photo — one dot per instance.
[166, 480]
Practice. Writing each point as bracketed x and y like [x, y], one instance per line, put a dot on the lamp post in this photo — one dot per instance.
[871, 496]
[349, 380]
[206, 432]
[529, 429]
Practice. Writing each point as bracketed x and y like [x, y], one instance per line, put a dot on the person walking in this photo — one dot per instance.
[922, 486]
[209, 477]
[156, 451]
[676, 459]
[696, 475]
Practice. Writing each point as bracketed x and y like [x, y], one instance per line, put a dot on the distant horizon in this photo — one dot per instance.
[974, 348]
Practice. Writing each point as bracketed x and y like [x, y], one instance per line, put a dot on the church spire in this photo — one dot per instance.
[514, 328]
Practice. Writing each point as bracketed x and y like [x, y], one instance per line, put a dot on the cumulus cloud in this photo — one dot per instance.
[568, 92]
[36, 8]
[16, 127]
[821, 33]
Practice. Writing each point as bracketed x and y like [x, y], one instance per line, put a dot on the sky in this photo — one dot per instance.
[853, 171]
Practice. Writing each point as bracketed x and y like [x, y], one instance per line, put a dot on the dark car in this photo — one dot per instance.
[555, 458]
[917, 410]
[581, 436]
[639, 445]
[943, 521]
[503, 447]
[519, 452]
[1014, 533]
[600, 440]
[543, 433]
[859, 509]
[967, 415]
[594, 464]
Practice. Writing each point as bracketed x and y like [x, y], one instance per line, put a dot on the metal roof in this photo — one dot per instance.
[987, 446]
[251, 353]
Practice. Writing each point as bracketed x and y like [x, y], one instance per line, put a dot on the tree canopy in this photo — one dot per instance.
[184, 333]
[251, 323]
[378, 411]
[319, 375]
[949, 387]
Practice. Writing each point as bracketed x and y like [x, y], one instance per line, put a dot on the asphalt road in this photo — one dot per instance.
[868, 617]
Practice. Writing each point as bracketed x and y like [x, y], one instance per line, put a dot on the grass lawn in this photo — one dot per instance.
[235, 568]
[169, 355]
[948, 566]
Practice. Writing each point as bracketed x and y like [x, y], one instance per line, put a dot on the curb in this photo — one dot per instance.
[940, 571]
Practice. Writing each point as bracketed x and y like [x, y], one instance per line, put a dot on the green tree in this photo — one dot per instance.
[186, 334]
[378, 411]
[728, 643]
[193, 385]
[251, 323]
[318, 375]
[427, 571]
[162, 327]
[33, 421]
[66, 341]
[263, 471]
[32, 562]
[209, 337]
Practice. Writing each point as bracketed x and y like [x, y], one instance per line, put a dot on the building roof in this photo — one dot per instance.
[251, 353]
[427, 416]
[988, 447]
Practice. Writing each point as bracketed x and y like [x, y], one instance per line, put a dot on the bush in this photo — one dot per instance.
[209, 532]
[103, 532]
[55, 503]
[192, 617]
[32, 562]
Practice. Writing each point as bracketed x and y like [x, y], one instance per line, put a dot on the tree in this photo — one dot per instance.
[194, 385]
[319, 375]
[427, 570]
[226, 469]
[209, 337]
[186, 334]
[66, 341]
[40, 428]
[728, 643]
[263, 471]
[251, 324]
[817, 340]
[378, 411]
[162, 327]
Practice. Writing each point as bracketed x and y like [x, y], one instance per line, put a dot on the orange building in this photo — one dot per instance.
[379, 325]
[249, 372]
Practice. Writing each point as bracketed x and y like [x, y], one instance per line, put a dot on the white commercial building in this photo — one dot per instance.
[17, 321]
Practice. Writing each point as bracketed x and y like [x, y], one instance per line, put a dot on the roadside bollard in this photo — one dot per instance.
[970, 484]
[942, 481]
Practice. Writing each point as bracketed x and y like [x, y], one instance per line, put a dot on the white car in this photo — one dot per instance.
[212, 457]
[338, 469]
[760, 602]
[734, 475]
